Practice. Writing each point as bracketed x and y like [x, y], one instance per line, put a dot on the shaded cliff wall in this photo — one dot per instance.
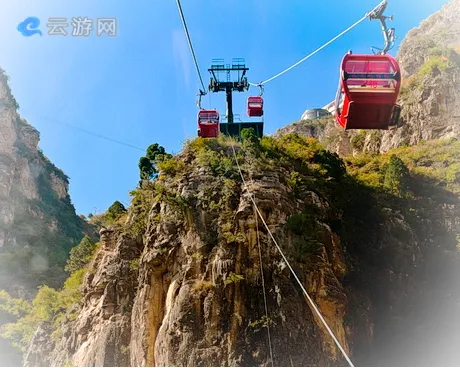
[38, 223]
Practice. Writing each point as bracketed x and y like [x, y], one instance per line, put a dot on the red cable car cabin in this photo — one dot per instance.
[368, 90]
[255, 106]
[208, 123]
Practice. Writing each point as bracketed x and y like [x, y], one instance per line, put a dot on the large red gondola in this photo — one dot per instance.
[208, 123]
[368, 89]
[255, 106]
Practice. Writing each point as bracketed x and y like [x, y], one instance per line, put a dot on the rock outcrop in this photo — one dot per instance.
[184, 295]
[98, 337]
[189, 291]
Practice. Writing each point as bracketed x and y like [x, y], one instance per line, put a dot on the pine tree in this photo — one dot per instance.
[397, 177]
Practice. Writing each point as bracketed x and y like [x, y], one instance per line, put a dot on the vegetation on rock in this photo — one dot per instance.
[50, 306]
[359, 187]
[436, 162]
[80, 255]
[147, 164]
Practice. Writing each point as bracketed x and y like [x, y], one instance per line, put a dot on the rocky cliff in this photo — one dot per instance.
[178, 282]
[429, 58]
[38, 224]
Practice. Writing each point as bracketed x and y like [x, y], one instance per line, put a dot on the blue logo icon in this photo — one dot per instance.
[30, 27]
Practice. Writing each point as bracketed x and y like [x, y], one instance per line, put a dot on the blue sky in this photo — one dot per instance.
[139, 87]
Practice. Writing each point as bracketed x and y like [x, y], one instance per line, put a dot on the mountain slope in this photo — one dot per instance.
[177, 282]
[38, 223]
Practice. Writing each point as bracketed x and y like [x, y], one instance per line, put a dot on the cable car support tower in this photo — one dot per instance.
[228, 85]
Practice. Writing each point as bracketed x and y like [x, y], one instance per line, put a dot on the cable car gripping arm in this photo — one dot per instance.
[261, 88]
[388, 34]
[200, 95]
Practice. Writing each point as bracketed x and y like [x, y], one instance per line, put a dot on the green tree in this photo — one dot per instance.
[20, 326]
[49, 305]
[147, 164]
[397, 177]
[16, 307]
[80, 255]
[249, 135]
[154, 150]
[116, 209]
[250, 140]
[146, 168]
[331, 162]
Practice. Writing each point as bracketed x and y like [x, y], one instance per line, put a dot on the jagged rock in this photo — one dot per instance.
[39, 357]
[100, 336]
[183, 306]
[107, 236]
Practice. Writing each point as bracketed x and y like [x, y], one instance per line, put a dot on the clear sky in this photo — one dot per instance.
[139, 87]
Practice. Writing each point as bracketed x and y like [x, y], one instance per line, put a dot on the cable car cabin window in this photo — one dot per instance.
[255, 102]
[208, 119]
[356, 66]
[369, 66]
[208, 122]
[366, 75]
[371, 85]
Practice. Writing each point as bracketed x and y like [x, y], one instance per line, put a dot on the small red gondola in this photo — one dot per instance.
[368, 89]
[255, 106]
[208, 123]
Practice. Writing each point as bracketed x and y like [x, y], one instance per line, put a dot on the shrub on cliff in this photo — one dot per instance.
[397, 177]
[80, 255]
[49, 305]
[304, 154]
[250, 139]
[116, 209]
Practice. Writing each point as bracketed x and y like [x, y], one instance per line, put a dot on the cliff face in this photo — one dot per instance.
[14, 170]
[195, 298]
[38, 224]
[189, 290]
[430, 96]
